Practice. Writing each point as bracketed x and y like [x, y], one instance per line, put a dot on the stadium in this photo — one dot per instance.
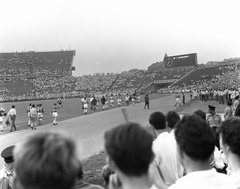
[119, 94]
[42, 77]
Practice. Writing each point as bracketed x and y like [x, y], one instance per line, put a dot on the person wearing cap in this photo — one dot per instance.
[213, 119]
[7, 172]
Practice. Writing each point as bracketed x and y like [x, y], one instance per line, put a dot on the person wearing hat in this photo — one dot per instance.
[7, 172]
[213, 119]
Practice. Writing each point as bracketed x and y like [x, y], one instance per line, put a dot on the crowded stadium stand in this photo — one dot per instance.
[44, 75]
[21, 72]
[173, 69]
[203, 75]
[36, 63]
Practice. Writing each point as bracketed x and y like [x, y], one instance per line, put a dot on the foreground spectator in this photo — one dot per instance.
[129, 148]
[195, 142]
[166, 168]
[46, 160]
[7, 172]
[230, 143]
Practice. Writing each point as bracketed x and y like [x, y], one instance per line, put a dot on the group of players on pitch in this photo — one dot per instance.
[35, 114]
[106, 102]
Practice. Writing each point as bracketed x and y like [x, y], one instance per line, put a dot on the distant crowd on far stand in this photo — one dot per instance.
[198, 150]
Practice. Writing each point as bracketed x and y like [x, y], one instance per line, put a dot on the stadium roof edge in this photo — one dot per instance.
[39, 51]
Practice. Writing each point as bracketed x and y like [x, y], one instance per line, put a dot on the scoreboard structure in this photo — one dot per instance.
[184, 60]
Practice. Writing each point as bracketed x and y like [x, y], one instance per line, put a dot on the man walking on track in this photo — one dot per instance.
[12, 114]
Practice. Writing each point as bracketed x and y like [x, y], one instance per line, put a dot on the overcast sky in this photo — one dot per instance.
[115, 36]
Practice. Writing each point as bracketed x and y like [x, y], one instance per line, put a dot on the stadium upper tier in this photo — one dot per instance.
[36, 63]
[204, 74]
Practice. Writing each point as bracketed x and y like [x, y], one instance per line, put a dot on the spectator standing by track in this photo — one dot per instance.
[28, 114]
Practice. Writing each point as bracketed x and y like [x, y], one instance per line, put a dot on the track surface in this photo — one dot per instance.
[88, 130]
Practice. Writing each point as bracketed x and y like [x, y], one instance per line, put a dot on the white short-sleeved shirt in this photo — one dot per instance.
[235, 177]
[209, 179]
[166, 158]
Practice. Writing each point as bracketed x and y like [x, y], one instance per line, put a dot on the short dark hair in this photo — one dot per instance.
[229, 131]
[172, 118]
[201, 114]
[46, 160]
[13, 106]
[229, 102]
[130, 147]
[157, 120]
[195, 138]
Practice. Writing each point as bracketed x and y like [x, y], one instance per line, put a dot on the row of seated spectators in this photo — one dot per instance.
[36, 63]
[126, 81]
[228, 78]
[205, 75]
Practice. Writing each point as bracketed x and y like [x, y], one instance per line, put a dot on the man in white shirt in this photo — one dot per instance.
[12, 115]
[195, 141]
[164, 170]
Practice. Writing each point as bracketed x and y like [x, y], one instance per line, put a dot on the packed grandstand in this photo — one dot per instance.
[41, 75]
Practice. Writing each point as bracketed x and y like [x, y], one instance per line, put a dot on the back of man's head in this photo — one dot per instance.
[157, 120]
[172, 118]
[229, 131]
[46, 160]
[195, 138]
[201, 114]
[129, 146]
